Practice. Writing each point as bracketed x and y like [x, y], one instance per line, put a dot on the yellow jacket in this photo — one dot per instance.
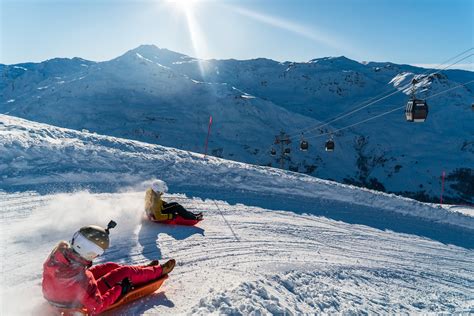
[154, 206]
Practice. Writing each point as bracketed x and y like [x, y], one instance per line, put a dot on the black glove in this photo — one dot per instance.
[126, 286]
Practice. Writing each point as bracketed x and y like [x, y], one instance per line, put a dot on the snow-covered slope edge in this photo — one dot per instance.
[39, 156]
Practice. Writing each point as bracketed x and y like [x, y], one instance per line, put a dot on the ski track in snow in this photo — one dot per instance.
[241, 259]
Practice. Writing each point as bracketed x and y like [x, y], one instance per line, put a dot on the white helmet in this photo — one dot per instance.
[91, 241]
[159, 186]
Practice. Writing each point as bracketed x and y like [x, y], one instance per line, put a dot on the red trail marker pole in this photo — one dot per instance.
[208, 133]
[442, 187]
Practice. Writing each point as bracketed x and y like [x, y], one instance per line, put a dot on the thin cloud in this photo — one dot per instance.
[301, 30]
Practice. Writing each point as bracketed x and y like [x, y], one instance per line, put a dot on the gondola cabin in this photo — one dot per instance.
[416, 110]
[273, 152]
[330, 145]
[287, 151]
[304, 145]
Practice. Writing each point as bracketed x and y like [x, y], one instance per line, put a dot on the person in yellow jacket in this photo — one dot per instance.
[158, 210]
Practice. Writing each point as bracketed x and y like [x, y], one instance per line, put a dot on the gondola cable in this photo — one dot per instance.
[262, 153]
[398, 90]
[385, 113]
[337, 118]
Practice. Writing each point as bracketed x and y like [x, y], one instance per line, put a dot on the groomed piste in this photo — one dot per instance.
[271, 242]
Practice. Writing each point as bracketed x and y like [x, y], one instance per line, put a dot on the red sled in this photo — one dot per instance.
[178, 220]
[131, 296]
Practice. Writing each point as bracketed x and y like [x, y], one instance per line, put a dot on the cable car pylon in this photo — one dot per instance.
[283, 140]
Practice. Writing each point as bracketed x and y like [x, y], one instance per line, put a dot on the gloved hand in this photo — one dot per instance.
[126, 286]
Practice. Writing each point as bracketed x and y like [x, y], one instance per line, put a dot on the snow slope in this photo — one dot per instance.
[159, 96]
[37, 154]
[272, 242]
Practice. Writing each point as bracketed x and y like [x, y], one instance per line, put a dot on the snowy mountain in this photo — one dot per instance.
[162, 97]
[272, 242]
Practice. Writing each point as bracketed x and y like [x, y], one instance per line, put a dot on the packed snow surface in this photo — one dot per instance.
[241, 259]
[272, 242]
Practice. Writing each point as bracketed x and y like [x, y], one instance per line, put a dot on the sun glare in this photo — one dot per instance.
[183, 5]
[188, 9]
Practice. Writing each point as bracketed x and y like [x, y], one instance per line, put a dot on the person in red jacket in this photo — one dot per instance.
[70, 280]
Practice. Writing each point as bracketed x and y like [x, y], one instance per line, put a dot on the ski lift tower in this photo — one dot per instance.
[283, 140]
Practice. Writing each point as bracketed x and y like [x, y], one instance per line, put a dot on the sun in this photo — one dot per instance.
[185, 6]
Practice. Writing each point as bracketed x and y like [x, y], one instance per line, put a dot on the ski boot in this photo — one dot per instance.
[168, 266]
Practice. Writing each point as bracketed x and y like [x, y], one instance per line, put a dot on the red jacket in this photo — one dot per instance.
[68, 281]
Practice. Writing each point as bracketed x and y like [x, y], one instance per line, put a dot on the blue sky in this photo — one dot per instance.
[406, 31]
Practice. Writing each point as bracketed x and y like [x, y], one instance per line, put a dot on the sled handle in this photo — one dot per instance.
[110, 225]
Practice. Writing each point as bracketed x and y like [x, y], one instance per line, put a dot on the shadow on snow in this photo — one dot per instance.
[345, 212]
[148, 236]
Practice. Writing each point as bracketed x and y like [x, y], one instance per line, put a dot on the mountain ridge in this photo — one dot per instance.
[159, 96]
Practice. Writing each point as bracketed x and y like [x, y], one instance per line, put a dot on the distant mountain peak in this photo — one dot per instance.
[154, 53]
[153, 49]
[147, 47]
[336, 60]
